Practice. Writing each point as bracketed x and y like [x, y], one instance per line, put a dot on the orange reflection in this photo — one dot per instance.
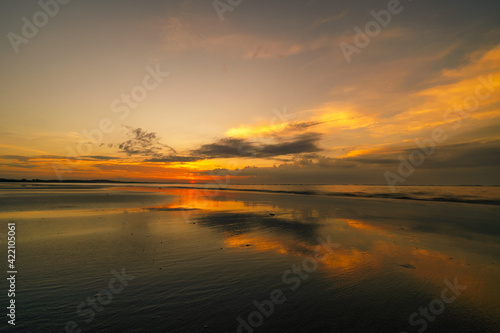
[259, 244]
[364, 226]
[341, 258]
[209, 199]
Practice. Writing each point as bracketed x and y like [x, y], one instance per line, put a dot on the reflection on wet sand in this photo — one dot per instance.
[369, 247]
[205, 256]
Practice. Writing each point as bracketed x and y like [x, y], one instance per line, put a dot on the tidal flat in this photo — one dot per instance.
[106, 258]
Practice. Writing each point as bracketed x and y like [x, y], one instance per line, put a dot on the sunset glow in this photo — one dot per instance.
[198, 98]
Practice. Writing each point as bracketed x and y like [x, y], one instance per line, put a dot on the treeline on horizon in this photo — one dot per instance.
[5, 180]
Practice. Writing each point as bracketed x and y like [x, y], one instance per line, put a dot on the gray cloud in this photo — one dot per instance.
[302, 125]
[468, 163]
[15, 157]
[143, 143]
[234, 148]
[103, 158]
[225, 148]
[462, 155]
[221, 172]
[173, 158]
[21, 158]
[305, 143]
[466, 155]
[231, 147]
[17, 165]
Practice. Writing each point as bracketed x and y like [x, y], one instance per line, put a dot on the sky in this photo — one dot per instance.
[331, 92]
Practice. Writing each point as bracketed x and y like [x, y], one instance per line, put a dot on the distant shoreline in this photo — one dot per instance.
[93, 181]
[4, 180]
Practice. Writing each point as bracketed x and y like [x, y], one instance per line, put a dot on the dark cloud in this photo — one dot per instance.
[231, 147]
[221, 172]
[370, 159]
[486, 133]
[21, 158]
[15, 157]
[143, 143]
[225, 148]
[302, 125]
[466, 155]
[471, 163]
[173, 158]
[305, 143]
[103, 158]
[17, 165]
[463, 155]
[235, 148]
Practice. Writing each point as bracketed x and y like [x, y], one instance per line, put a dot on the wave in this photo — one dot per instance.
[400, 196]
[416, 196]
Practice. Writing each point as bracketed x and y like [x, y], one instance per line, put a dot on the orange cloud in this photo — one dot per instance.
[461, 92]
[324, 119]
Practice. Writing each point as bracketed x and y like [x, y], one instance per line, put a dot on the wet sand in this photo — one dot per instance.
[202, 260]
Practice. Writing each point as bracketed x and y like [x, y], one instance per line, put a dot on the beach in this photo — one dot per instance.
[250, 166]
[164, 258]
